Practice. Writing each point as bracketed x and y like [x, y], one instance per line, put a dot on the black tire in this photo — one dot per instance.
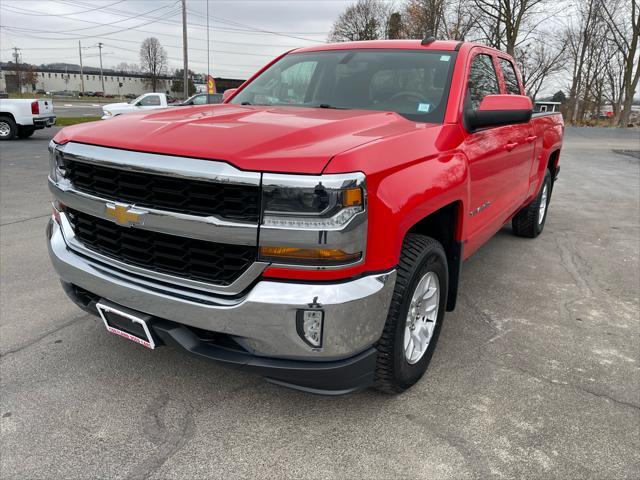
[527, 223]
[420, 255]
[25, 132]
[8, 128]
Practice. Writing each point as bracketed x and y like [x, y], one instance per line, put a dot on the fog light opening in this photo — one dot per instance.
[309, 324]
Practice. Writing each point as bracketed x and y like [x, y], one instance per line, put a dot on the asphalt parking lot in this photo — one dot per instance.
[537, 373]
[71, 108]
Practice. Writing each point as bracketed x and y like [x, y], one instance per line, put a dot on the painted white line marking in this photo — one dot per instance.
[68, 105]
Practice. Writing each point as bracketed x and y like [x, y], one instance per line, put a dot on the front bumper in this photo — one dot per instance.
[262, 320]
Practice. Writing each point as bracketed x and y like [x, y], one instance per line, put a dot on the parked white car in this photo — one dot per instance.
[147, 101]
[20, 117]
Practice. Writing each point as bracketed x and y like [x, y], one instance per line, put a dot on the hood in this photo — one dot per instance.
[276, 139]
[110, 106]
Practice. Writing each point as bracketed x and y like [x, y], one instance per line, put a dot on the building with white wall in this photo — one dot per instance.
[68, 79]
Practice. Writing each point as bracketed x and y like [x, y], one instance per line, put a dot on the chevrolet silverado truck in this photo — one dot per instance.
[312, 228]
[22, 117]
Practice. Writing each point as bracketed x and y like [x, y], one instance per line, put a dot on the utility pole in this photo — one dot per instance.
[81, 75]
[16, 56]
[101, 76]
[208, 70]
[185, 79]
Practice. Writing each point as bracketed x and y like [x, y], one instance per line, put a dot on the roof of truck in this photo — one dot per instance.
[385, 44]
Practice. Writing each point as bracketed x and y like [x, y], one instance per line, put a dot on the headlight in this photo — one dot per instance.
[313, 221]
[56, 165]
[108, 113]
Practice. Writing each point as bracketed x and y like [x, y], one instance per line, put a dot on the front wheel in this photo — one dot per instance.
[415, 315]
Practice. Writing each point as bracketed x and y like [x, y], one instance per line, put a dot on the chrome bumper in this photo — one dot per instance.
[262, 320]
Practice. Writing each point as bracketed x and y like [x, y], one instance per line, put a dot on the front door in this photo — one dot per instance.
[490, 153]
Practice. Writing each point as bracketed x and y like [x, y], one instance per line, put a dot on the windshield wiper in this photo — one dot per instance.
[245, 103]
[326, 105]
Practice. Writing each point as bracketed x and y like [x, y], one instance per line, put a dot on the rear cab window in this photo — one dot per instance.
[510, 77]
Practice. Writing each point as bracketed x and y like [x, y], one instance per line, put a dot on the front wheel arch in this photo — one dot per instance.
[445, 225]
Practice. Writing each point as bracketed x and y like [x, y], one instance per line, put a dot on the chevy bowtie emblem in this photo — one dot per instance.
[124, 215]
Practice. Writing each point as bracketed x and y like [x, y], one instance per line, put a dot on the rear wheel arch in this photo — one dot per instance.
[445, 226]
[552, 163]
[8, 114]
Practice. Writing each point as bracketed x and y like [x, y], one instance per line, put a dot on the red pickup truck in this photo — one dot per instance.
[311, 228]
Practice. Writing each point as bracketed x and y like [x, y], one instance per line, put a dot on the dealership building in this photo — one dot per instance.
[69, 79]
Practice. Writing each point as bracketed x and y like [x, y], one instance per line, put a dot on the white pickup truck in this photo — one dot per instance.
[21, 117]
[146, 101]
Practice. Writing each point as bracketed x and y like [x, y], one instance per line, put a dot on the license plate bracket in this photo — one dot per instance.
[125, 323]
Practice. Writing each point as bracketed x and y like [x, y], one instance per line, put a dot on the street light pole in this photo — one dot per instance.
[101, 75]
[185, 79]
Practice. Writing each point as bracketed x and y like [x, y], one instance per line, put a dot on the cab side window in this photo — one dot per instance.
[151, 100]
[510, 77]
[483, 80]
[200, 100]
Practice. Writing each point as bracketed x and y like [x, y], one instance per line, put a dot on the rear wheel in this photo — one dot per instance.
[7, 128]
[415, 315]
[25, 132]
[529, 222]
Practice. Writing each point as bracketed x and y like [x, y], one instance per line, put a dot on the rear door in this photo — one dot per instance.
[523, 135]
[489, 155]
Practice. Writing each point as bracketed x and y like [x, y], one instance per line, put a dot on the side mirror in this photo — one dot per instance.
[498, 110]
[228, 94]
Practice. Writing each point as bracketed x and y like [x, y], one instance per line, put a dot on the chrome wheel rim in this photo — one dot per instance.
[543, 204]
[421, 317]
[4, 129]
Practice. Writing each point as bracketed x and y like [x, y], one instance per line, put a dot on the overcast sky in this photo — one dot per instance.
[48, 31]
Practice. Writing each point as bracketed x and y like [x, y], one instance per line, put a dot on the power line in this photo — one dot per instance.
[158, 20]
[120, 12]
[96, 23]
[232, 22]
[69, 14]
[84, 36]
[17, 31]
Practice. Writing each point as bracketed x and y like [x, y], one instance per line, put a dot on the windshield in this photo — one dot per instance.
[135, 100]
[413, 83]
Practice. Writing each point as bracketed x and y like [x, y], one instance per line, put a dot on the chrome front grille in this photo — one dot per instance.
[188, 258]
[162, 192]
[196, 221]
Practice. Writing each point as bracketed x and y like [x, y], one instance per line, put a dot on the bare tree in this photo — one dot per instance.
[624, 34]
[614, 87]
[362, 20]
[459, 20]
[537, 62]
[395, 26]
[127, 67]
[584, 38]
[153, 60]
[503, 21]
[424, 17]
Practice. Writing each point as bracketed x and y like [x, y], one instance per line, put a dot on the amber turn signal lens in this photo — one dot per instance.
[313, 254]
[352, 197]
